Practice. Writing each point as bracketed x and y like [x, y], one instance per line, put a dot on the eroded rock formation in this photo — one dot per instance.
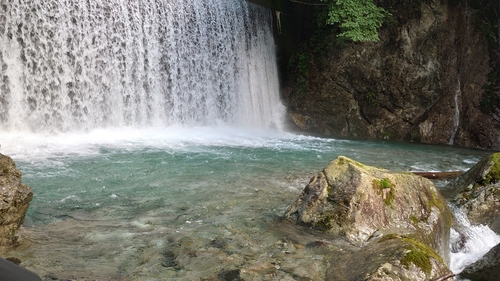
[14, 200]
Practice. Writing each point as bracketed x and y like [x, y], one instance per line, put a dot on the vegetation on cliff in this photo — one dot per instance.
[358, 20]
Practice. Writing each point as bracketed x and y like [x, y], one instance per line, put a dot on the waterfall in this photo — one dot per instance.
[68, 65]
[456, 116]
[459, 36]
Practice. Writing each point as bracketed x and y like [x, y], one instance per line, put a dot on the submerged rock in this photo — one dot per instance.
[362, 203]
[485, 269]
[477, 192]
[14, 200]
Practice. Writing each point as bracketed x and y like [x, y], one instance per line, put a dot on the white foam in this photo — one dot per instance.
[479, 239]
[37, 146]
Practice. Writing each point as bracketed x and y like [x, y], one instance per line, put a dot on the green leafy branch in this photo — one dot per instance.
[358, 20]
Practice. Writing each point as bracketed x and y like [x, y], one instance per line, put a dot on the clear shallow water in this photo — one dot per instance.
[122, 204]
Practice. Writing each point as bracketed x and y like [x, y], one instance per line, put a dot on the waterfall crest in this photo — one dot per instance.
[71, 65]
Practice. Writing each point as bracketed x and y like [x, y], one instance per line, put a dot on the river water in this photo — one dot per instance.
[152, 135]
[116, 204]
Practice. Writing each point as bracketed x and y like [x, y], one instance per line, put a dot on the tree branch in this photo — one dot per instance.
[442, 278]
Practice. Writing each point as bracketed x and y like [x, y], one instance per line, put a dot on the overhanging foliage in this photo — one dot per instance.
[358, 20]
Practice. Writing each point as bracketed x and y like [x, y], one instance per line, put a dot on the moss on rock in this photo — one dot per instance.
[386, 188]
[420, 255]
[391, 257]
[355, 200]
[493, 176]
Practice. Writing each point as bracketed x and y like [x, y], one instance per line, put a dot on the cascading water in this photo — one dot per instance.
[70, 65]
[456, 117]
[470, 242]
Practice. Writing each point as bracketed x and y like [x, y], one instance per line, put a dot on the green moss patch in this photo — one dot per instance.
[414, 219]
[493, 175]
[418, 258]
[386, 188]
[420, 255]
[325, 223]
[340, 161]
[417, 253]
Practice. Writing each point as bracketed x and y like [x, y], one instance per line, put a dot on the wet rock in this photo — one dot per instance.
[362, 203]
[219, 243]
[262, 268]
[317, 244]
[169, 260]
[230, 275]
[485, 269]
[14, 200]
[14, 260]
[477, 192]
[391, 257]
[206, 260]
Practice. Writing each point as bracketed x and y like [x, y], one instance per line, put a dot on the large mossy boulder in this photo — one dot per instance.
[477, 192]
[14, 200]
[362, 202]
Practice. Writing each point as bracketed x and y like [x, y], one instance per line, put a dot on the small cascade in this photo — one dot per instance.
[460, 35]
[71, 65]
[456, 117]
[469, 243]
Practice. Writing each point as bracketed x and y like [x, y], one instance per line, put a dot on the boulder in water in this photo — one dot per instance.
[362, 202]
[477, 192]
[14, 200]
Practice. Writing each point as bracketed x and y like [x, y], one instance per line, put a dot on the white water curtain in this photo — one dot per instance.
[77, 65]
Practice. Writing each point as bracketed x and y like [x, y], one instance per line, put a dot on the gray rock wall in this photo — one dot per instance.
[423, 81]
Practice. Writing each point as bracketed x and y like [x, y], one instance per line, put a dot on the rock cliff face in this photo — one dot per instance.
[14, 200]
[424, 81]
